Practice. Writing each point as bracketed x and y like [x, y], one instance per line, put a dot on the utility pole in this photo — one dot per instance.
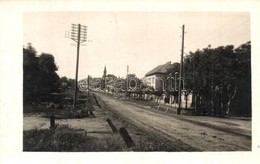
[79, 35]
[88, 85]
[126, 88]
[181, 71]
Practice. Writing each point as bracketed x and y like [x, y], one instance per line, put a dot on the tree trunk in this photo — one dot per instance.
[224, 99]
[212, 98]
[198, 101]
[230, 98]
[221, 105]
[193, 99]
[228, 108]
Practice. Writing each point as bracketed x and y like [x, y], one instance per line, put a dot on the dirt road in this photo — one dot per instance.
[185, 133]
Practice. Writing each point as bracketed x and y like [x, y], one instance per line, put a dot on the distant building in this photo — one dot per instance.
[110, 78]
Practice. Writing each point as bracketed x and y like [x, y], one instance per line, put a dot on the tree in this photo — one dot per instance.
[48, 78]
[216, 75]
[64, 83]
[133, 82]
[40, 77]
[30, 70]
[242, 103]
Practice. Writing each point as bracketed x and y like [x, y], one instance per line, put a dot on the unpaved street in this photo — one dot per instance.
[184, 132]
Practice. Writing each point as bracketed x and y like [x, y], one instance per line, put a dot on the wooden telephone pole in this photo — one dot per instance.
[181, 71]
[126, 88]
[79, 35]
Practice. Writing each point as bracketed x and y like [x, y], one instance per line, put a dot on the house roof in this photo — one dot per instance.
[161, 69]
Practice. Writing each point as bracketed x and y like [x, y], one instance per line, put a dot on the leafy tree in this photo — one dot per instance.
[217, 77]
[67, 85]
[48, 78]
[40, 77]
[30, 70]
[133, 82]
[242, 102]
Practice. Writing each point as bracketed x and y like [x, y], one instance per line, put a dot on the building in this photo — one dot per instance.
[157, 77]
[110, 81]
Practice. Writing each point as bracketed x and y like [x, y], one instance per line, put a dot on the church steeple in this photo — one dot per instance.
[103, 84]
[105, 72]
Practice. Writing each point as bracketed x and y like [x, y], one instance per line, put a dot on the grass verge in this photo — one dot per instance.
[67, 139]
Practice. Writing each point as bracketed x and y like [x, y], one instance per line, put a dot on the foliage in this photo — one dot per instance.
[67, 86]
[67, 139]
[63, 138]
[39, 72]
[220, 79]
[48, 78]
[30, 70]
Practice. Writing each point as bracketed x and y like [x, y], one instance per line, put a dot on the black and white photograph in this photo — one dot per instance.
[133, 81]
[137, 81]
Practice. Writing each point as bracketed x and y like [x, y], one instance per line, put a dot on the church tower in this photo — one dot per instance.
[104, 78]
[104, 73]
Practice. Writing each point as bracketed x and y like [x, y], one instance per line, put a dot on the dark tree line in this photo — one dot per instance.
[39, 75]
[220, 79]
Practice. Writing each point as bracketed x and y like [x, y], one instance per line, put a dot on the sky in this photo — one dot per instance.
[141, 40]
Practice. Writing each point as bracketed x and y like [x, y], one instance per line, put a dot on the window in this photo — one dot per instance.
[153, 80]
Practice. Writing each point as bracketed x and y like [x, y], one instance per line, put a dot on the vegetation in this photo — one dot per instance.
[65, 138]
[40, 77]
[220, 79]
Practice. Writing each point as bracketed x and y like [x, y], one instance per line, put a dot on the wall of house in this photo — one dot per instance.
[189, 101]
[156, 81]
[151, 81]
[160, 82]
[172, 102]
[183, 101]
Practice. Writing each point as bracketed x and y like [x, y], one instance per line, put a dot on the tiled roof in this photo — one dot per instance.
[161, 69]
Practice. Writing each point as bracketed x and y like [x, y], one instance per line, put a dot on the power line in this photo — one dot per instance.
[214, 31]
